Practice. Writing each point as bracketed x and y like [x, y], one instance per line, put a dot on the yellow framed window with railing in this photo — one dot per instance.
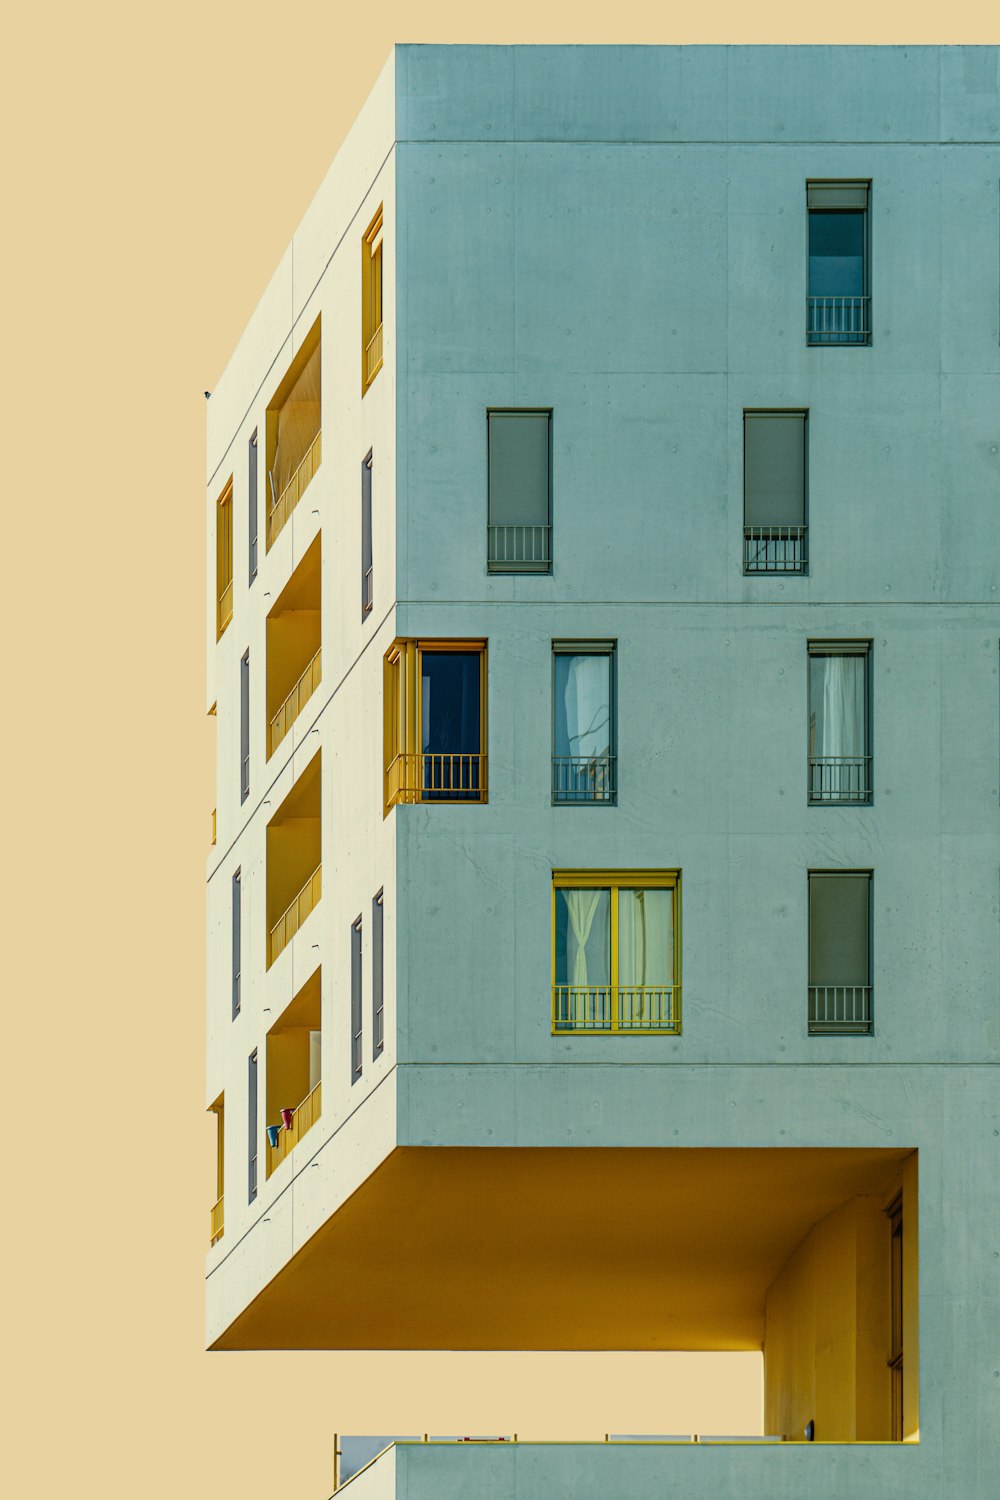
[435, 731]
[616, 952]
[371, 301]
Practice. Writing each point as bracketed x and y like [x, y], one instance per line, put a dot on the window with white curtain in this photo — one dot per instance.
[615, 952]
[840, 760]
[583, 722]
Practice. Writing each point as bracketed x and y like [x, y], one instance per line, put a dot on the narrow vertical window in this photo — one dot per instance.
[840, 761]
[895, 1215]
[252, 1127]
[838, 305]
[224, 559]
[378, 1004]
[774, 492]
[371, 302]
[237, 941]
[252, 505]
[367, 583]
[218, 1207]
[840, 983]
[356, 1001]
[583, 722]
[245, 726]
[519, 520]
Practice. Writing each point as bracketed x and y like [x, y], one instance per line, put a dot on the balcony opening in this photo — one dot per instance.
[294, 448]
[294, 663]
[435, 722]
[616, 952]
[583, 722]
[806, 1257]
[774, 491]
[519, 524]
[371, 302]
[217, 1218]
[838, 307]
[840, 761]
[294, 873]
[294, 1072]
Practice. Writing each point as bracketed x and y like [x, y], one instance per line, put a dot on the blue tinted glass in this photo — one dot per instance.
[836, 254]
[450, 702]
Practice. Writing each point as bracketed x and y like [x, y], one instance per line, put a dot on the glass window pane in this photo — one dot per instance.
[583, 705]
[583, 937]
[836, 254]
[450, 719]
[837, 716]
[645, 937]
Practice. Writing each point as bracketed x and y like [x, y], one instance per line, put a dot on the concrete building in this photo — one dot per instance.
[603, 499]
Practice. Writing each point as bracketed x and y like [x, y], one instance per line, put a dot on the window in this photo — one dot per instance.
[224, 559]
[774, 492]
[583, 722]
[616, 952]
[371, 302]
[895, 1216]
[252, 1127]
[245, 726]
[435, 722]
[840, 762]
[218, 1208]
[378, 1005]
[367, 589]
[840, 988]
[237, 941]
[252, 506]
[519, 529]
[838, 302]
[356, 1001]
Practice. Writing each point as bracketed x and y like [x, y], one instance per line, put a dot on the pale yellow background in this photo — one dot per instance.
[156, 162]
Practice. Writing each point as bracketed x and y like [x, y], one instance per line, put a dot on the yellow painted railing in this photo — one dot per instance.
[436, 778]
[225, 613]
[373, 356]
[294, 703]
[218, 1228]
[294, 915]
[294, 489]
[304, 1118]
[622, 1009]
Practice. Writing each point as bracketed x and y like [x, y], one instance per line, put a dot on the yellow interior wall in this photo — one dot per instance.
[287, 1076]
[826, 1340]
[293, 638]
[911, 1290]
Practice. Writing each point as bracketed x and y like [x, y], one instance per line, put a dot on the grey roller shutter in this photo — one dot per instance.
[834, 195]
[838, 929]
[519, 468]
[774, 468]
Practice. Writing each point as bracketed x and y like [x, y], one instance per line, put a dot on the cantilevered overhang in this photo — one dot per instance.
[557, 1248]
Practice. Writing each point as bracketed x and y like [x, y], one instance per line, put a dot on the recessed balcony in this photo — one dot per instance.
[294, 435]
[294, 1070]
[294, 870]
[294, 658]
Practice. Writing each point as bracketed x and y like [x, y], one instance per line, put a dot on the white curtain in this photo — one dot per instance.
[645, 938]
[583, 719]
[588, 937]
[840, 707]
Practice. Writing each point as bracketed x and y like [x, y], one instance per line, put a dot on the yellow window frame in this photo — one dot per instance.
[403, 755]
[371, 301]
[224, 559]
[663, 1021]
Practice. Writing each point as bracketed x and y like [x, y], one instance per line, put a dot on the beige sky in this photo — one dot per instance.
[157, 163]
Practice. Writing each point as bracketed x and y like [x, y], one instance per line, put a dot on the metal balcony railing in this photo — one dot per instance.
[418, 777]
[303, 1118]
[217, 1221]
[225, 610]
[294, 915]
[618, 1008]
[296, 487]
[840, 778]
[294, 703]
[838, 320]
[774, 549]
[843, 1008]
[373, 356]
[583, 778]
[519, 549]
